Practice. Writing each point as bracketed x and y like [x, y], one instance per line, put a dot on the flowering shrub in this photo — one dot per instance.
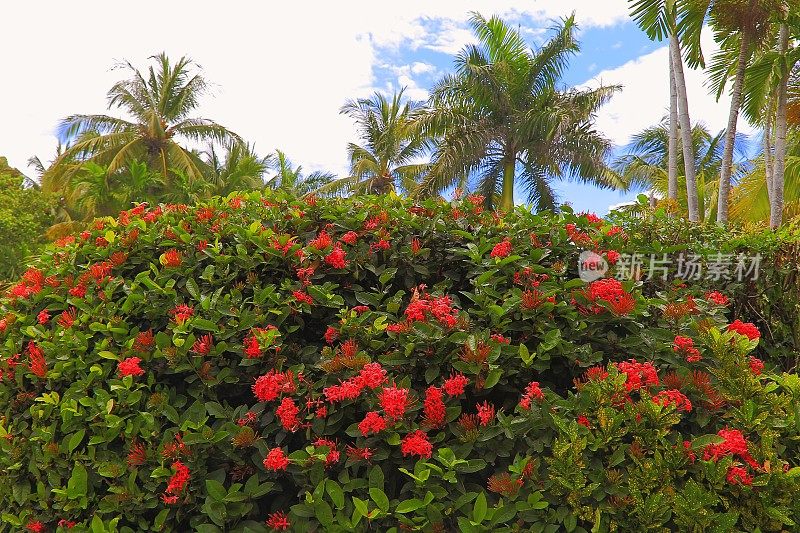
[266, 363]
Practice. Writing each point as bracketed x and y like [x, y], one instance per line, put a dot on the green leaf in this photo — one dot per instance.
[77, 484]
[335, 492]
[216, 490]
[380, 499]
[409, 505]
[479, 508]
[701, 442]
[75, 440]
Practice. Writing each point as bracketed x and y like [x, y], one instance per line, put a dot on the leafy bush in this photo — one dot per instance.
[264, 363]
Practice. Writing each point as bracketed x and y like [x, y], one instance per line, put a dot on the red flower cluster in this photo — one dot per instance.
[203, 345]
[674, 397]
[130, 367]
[372, 423]
[748, 329]
[532, 392]
[394, 401]
[181, 313]
[36, 361]
[336, 258]
[440, 307]
[756, 365]
[287, 413]
[739, 476]
[486, 413]
[351, 237]
[176, 483]
[685, 347]
[501, 249]
[137, 455]
[303, 297]
[610, 291]
[172, 258]
[372, 375]
[416, 444]
[582, 420]
[734, 444]
[331, 334]
[276, 460]
[639, 375]
[322, 241]
[272, 384]
[278, 521]
[43, 317]
[434, 407]
[454, 385]
[717, 298]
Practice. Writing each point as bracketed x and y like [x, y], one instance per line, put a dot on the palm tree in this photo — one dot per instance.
[392, 147]
[291, 179]
[660, 19]
[159, 106]
[740, 28]
[646, 163]
[501, 112]
[238, 168]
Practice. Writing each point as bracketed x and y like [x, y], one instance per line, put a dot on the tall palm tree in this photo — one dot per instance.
[660, 19]
[501, 113]
[238, 168]
[392, 147]
[740, 28]
[291, 179]
[646, 163]
[159, 104]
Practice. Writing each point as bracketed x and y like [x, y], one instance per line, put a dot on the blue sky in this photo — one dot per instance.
[281, 71]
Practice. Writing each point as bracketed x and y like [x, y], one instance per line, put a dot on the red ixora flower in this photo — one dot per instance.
[434, 407]
[137, 455]
[350, 237]
[486, 413]
[416, 444]
[638, 374]
[276, 460]
[35, 526]
[172, 258]
[43, 317]
[582, 420]
[756, 365]
[359, 454]
[454, 385]
[501, 249]
[181, 313]
[67, 524]
[203, 345]
[130, 367]
[287, 412]
[322, 241]
[734, 443]
[37, 363]
[331, 334]
[178, 480]
[685, 346]
[748, 329]
[272, 384]
[610, 291]
[336, 258]
[372, 423]
[532, 392]
[394, 401]
[674, 397]
[278, 521]
[717, 298]
[739, 476]
[303, 297]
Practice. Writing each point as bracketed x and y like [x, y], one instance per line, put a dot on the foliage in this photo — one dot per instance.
[214, 368]
[24, 215]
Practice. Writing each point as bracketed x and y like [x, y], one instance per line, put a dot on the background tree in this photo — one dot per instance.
[159, 105]
[391, 152]
[25, 213]
[237, 168]
[501, 111]
[291, 179]
[660, 20]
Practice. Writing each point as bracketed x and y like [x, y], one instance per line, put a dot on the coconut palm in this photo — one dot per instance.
[646, 163]
[158, 104]
[500, 120]
[661, 19]
[237, 168]
[391, 149]
[291, 179]
[740, 28]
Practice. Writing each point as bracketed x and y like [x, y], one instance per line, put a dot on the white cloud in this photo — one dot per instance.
[644, 98]
[282, 69]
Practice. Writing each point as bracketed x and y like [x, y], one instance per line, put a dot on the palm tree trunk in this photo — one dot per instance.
[507, 200]
[776, 206]
[730, 132]
[672, 164]
[686, 130]
[767, 143]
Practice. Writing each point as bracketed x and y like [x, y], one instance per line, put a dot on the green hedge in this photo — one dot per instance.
[264, 363]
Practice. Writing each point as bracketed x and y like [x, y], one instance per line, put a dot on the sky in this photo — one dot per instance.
[281, 71]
